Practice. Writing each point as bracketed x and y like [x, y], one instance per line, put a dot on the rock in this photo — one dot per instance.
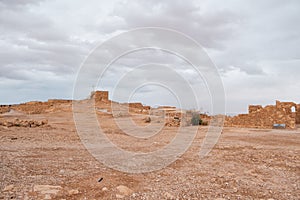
[134, 195]
[169, 196]
[104, 189]
[72, 192]
[47, 189]
[8, 188]
[45, 121]
[123, 190]
[61, 172]
[118, 196]
[147, 119]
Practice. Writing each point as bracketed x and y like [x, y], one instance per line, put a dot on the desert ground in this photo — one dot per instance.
[50, 162]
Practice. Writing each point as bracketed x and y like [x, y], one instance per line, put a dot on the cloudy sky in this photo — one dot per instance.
[254, 44]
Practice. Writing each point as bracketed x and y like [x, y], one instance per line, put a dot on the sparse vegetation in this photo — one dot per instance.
[196, 119]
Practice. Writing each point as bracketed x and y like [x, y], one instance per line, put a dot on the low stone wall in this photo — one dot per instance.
[138, 108]
[34, 107]
[59, 101]
[173, 118]
[4, 108]
[37, 107]
[23, 123]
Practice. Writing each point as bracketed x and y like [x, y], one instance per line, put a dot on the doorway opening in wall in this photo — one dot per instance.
[293, 109]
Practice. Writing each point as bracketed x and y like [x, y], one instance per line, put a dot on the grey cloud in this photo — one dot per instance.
[255, 45]
[206, 27]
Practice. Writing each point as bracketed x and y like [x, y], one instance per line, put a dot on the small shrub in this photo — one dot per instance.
[196, 119]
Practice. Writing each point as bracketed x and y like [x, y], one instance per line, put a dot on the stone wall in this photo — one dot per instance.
[4, 108]
[298, 114]
[38, 107]
[254, 108]
[59, 101]
[100, 96]
[23, 123]
[205, 118]
[174, 118]
[33, 107]
[138, 108]
[265, 117]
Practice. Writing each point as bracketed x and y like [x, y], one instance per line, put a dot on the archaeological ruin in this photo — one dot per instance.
[285, 114]
[282, 114]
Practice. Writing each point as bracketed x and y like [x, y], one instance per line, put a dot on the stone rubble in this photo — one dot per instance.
[23, 123]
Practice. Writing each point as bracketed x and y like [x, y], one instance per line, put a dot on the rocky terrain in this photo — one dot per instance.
[49, 161]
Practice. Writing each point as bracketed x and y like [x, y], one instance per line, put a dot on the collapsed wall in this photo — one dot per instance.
[266, 117]
[38, 107]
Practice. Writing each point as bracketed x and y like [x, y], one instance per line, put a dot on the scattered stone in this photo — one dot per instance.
[169, 196]
[134, 195]
[73, 191]
[47, 189]
[147, 119]
[61, 172]
[23, 123]
[118, 196]
[8, 188]
[124, 190]
[104, 189]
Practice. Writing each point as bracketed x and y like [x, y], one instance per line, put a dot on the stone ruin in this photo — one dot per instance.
[283, 113]
[23, 123]
[38, 107]
[4, 108]
[138, 108]
[100, 96]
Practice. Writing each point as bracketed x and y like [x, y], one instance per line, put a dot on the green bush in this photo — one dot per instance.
[196, 119]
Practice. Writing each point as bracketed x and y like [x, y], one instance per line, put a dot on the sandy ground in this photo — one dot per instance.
[50, 162]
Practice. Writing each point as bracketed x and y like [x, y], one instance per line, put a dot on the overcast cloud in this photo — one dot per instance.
[255, 45]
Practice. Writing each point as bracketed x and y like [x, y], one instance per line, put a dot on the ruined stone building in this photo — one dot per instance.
[283, 113]
[100, 95]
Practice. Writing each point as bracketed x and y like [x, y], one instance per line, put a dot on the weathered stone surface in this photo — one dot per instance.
[73, 192]
[169, 196]
[100, 95]
[124, 190]
[147, 119]
[47, 189]
[119, 196]
[23, 123]
[8, 188]
[4, 108]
